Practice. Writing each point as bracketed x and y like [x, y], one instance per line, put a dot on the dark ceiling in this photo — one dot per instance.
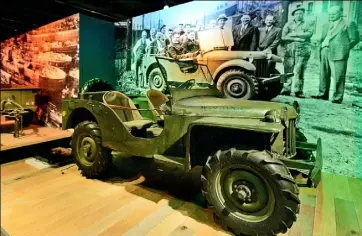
[17, 17]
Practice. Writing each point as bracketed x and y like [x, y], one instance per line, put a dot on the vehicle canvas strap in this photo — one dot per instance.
[117, 107]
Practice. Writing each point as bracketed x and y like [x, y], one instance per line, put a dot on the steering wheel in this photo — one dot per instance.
[187, 84]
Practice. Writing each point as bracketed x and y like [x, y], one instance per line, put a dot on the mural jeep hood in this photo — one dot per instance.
[221, 107]
[232, 55]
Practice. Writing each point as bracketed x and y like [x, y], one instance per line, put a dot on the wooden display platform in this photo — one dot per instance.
[33, 135]
[67, 203]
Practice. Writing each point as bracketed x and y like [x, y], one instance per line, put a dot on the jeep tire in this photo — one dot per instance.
[90, 156]
[250, 192]
[235, 83]
[156, 80]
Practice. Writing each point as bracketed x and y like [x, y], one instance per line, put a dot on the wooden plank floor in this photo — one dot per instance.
[43, 201]
[33, 135]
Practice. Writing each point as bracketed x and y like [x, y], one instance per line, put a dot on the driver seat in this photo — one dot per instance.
[126, 111]
[155, 99]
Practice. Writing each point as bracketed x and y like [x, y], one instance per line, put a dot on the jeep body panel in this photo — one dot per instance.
[228, 108]
[236, 123]
[173, 70]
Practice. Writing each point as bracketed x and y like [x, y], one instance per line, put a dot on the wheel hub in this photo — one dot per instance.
[88, 149]
[157, 81]
[236, 88]
[243, 193]
[246, 191]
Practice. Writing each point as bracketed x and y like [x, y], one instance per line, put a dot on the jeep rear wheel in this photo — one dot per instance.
[250, 192]
[235, 83]
[156, 80]
[90, 156]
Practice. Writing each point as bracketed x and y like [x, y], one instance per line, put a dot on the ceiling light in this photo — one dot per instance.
[165, 7]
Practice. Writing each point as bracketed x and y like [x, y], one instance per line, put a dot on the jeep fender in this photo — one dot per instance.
[229, 123]
[233, 63]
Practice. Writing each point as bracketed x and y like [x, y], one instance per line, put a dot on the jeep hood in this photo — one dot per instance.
[209, 106]
[230, 55]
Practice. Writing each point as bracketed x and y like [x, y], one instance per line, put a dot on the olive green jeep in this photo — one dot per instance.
[248, 149]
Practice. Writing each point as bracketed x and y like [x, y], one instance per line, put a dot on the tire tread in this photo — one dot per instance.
[277, 171]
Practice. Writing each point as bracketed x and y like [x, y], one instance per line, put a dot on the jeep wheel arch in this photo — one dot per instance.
[79, 115]
[205, 139]
[233, 64]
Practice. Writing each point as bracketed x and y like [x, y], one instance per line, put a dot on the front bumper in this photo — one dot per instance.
[282, 78]
[311, 166]
[315, 173]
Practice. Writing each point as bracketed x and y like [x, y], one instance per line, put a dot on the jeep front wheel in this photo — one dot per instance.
[156, 80]
[250, 192]
[235, 83]
[90, 156]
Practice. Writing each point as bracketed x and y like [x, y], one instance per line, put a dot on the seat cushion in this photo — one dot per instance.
[138, 124]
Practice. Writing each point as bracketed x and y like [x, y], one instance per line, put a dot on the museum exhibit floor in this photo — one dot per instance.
[32, 135]
[39, 200]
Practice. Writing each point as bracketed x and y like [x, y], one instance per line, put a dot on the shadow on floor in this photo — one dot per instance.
[159, 180]
[158, 176]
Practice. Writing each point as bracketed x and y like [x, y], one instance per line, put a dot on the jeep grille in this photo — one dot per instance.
[290, 139]
[261, 68]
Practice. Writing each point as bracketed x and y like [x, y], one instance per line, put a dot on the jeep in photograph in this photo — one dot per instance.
[237, 74]
[248, 149]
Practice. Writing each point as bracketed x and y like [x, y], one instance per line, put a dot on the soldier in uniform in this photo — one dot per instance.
[191, 44]
[296, 36]
[177, 51]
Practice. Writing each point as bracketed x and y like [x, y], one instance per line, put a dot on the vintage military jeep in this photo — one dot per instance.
[249, 75]
[248, 149]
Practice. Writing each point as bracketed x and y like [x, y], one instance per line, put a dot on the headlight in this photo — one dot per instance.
[268, 54]
[251, 58]
[272, 116]
[297, 109]
[284, 114]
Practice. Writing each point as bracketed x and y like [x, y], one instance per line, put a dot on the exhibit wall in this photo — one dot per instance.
[46, 58]
[199, 27]
[97, 53]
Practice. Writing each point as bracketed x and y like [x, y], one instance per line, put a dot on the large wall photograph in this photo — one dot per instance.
[45, 58]
[301, 34]
[184, 31]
